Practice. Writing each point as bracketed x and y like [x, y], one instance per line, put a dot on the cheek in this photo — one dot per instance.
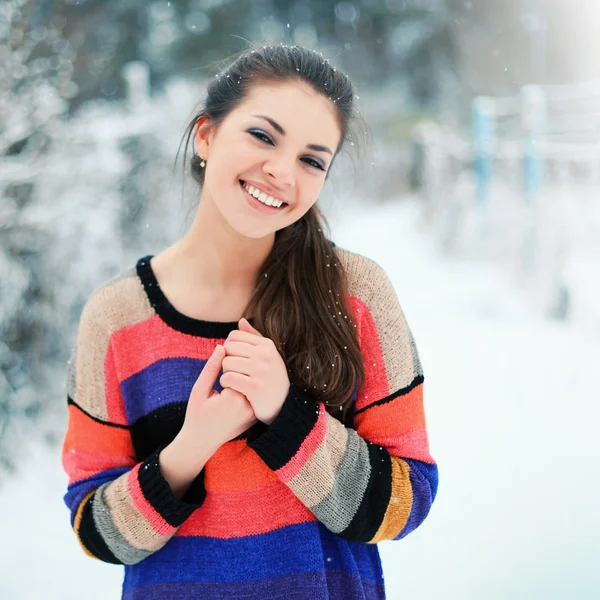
[309, 195]
[300, 209]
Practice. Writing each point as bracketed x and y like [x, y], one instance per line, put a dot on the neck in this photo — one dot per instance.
[213, 253]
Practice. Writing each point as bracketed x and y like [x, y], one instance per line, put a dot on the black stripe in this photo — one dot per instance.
[418, 380]
[171, 316]
[158, 493]
[85, 412]
[370, 513]
[91, 538]
[158, 428]
[284, 436]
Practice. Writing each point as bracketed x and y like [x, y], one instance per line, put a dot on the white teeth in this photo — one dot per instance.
[262, 197]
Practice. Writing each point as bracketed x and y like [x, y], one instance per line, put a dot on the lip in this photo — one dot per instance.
[254, 203]
[268, 190]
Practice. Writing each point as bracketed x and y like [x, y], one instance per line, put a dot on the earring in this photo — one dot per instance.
[202, 164]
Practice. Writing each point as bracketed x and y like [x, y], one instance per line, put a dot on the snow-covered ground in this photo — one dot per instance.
[512, 412]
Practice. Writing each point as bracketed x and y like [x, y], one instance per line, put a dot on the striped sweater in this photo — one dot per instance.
[290, 510]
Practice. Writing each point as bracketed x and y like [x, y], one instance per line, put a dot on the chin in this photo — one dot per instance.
[249, 230]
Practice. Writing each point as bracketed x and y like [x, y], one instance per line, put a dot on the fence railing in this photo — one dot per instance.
[523, 186]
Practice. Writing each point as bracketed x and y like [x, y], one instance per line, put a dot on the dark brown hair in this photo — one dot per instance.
[301, 300]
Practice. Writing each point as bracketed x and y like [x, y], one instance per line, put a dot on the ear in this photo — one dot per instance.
[200, 138]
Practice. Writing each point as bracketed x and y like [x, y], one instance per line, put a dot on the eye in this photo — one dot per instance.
[316, 164]
[258, 134]
[262, 136]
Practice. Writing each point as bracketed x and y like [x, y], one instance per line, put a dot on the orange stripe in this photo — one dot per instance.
[398, 510]
[235, 467]
[398, 415]
[88, 435]
[77, 522]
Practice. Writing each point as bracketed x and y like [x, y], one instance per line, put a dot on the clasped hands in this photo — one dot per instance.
[253, 367]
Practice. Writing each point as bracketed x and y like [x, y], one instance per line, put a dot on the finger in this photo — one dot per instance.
[238, 382]
[237, 364]
[245, 336]
[241, 349]
[208, 375]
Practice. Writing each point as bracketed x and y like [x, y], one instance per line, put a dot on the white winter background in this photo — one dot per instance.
[512, 412]
[510, 361]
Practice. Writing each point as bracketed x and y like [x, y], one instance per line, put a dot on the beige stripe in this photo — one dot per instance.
[350, 486]
[323, 465]
[127, 303]
[398, 510]
[119, 302]
[130, 522]
[117, 544]
[368, 281]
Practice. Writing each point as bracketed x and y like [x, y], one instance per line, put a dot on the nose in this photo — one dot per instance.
[281, 171]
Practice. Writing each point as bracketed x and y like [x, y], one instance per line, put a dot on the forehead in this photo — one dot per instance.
[300, 110]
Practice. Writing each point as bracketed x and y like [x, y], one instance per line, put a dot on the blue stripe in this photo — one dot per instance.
[302, 548]
[161, 383]
[339, 553]
[76, 492]
[424, 483]
[321, 585]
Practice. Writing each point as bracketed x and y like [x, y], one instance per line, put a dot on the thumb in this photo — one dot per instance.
[245, 326]
[206, 380]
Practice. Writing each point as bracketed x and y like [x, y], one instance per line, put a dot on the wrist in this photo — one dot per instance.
[193, 451]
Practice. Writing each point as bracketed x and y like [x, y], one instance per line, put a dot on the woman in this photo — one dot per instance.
[246, 412]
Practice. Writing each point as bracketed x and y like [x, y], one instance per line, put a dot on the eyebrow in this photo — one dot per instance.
[280, 129]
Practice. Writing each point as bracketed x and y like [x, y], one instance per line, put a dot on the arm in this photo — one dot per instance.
[122, 509]
[376, 481]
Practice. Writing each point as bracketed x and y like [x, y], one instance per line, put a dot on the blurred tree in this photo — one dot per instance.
[374, 41]
[35, 91]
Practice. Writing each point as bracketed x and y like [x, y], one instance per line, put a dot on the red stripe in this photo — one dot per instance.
[249, 512]
[376, 384]
[307, 448]
[155, 520]
[173, 344]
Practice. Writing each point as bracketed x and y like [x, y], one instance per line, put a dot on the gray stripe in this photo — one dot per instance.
[418, 368]
[117, 544]
[351, 478]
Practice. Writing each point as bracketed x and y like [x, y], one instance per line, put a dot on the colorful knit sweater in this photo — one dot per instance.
[294, 510]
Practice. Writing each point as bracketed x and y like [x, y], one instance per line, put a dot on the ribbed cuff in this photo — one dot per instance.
[158, 492]
[284, 436]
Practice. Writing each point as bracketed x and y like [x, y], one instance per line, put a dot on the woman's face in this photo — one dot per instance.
[250, 148]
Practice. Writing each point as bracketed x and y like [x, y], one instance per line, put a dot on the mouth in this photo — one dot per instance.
[257, 204]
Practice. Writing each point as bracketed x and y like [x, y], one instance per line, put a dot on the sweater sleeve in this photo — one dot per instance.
[122, 509]
[377, 480]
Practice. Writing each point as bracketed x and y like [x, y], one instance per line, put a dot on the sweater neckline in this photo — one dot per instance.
[170, 315]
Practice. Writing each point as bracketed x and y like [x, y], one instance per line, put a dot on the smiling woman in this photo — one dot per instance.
[281, 164]
[262, 457]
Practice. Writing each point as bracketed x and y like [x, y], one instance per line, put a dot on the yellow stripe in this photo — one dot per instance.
[78, 522]
[398, 510]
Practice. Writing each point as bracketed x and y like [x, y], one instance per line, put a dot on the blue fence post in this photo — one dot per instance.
[533, 123]
[484, 127]
[533, 120]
